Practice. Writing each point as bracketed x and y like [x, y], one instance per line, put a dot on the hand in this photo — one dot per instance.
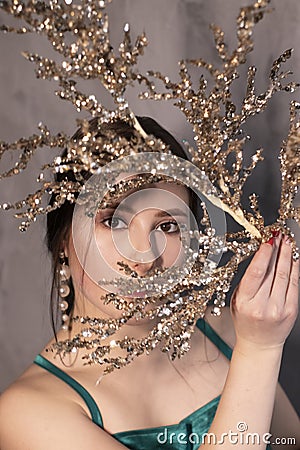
[264, 306]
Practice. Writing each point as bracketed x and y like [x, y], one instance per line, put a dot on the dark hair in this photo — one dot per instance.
[59, 221]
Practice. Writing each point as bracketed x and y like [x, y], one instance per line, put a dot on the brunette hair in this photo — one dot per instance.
[59, 221]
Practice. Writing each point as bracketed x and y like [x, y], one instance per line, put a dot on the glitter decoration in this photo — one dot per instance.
[220, 137]
[79, 33]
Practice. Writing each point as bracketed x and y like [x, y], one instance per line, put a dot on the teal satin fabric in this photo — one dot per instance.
[186, 435]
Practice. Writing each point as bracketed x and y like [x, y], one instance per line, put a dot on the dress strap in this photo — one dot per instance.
[90, 402]
[214, 337]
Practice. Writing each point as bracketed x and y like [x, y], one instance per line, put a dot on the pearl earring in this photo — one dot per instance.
[64, 276]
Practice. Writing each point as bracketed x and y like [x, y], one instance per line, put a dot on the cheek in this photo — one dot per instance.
[173, 253]
[107, 248]
[99, 256]
[88, 290]
[81, 281]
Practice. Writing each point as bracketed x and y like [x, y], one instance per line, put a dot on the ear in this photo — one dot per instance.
[65, 247]
[67, 243]
[66, 251]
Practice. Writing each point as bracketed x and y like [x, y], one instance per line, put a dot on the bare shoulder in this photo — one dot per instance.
[222, 324]
[34, 416]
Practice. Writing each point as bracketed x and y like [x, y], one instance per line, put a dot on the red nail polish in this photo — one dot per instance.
[287, 240]
[270, 241]
[275, 233]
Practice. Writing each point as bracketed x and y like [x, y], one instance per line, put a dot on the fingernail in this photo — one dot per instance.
[287, 240]
[270, 241]
[275, 233]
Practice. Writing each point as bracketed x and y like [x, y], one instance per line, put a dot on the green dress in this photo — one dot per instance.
[185, 435]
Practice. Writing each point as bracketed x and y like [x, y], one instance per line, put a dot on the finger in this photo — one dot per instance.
[266, 287]
[256, 272]
[293, 289]
[282, 272]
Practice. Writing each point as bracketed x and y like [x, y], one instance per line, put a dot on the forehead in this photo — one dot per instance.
[156, 195]
[167, 197]
[177, 189]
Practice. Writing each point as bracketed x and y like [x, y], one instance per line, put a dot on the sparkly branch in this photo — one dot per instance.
[90, 55]
[26, 148]
[290, 168]
[219, 136]
[79, 33]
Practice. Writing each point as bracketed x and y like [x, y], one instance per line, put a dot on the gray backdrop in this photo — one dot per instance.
[176, 29]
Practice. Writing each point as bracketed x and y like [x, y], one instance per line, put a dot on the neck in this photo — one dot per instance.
[136, 329]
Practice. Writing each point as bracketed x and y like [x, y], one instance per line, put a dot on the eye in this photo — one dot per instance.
[168, 227]
[115, 223]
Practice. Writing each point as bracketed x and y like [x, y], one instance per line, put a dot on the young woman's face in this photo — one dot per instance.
[142, 234]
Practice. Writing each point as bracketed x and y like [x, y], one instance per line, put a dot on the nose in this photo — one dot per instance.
[140, 268]
[141, 249]
[141, 256]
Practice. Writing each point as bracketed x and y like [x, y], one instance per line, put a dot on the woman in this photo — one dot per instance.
[56, 404]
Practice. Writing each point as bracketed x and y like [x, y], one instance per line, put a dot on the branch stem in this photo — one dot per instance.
[236, 214]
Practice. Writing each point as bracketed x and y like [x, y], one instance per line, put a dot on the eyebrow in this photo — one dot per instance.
[171, 212]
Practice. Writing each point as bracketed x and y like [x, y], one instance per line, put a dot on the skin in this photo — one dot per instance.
[263, 311]
[111, 229]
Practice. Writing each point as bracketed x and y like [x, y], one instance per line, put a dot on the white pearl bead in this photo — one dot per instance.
[64, 290]
[64, 272]
[63, 305]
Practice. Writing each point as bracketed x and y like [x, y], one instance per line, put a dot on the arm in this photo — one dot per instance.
[285, 421]
[264, 309]
[31, 421]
